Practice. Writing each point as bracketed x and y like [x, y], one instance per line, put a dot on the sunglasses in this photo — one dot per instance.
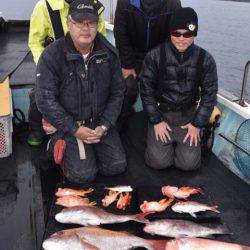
[185, 35]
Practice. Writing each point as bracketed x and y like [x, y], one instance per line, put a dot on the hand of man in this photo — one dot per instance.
[162, 130]
[127, 72]
[99, 132]
[87, 135]
[193, 133]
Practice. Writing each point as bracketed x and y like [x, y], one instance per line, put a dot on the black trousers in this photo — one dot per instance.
[130, 97]
[106, 157]
[35, 117]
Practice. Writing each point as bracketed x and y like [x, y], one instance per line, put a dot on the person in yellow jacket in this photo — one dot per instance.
[42, 30]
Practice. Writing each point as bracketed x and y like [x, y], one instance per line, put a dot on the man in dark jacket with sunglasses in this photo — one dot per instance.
[139, 26]
[174, 76]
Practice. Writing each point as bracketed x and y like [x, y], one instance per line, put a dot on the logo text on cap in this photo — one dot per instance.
[84, 6]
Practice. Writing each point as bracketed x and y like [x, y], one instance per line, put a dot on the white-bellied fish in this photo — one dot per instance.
[181, 228]
[112, 240]
[120, 189]
[192, 207]
[61, 241]
[94, 216]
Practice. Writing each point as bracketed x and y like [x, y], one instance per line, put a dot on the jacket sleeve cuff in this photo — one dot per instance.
[196, 125]
[105, 123]
[73, 129]
[155, 120]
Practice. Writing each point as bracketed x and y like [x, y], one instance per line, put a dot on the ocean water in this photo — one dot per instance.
[224, 30]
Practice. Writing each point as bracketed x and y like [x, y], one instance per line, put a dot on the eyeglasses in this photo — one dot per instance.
[185, 35]
[80, 25]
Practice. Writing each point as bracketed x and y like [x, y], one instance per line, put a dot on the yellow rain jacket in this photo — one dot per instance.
[41, 28]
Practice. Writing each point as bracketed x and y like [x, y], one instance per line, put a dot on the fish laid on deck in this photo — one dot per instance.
[59, 241]
[154, 206]
[108, 240]
[124, 201]
[120, 189]
[202, 244]
[192, 207]
[68, 191]
[180, 193]
[72, 201]
[109, 198]
[94, 216]
[181, 228]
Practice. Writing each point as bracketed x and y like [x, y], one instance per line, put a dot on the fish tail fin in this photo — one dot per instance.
[141, 217]
[199, 190]
[162, 201]
[88, 190]
[158, 244]
[222, 230]
[215, 209]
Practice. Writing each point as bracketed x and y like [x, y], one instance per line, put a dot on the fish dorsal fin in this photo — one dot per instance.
[193, 215]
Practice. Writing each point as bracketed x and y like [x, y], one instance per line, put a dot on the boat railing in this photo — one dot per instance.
[111, 14]
[244, 85]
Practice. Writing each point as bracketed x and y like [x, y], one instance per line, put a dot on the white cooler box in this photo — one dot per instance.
[6, 127]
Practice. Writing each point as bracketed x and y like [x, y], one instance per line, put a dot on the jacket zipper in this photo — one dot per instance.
[87, 76]
[149, 18]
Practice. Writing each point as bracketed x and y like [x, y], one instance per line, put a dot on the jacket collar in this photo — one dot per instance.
[137, 4]
[58, 4]
[73, 54]
[182, 56]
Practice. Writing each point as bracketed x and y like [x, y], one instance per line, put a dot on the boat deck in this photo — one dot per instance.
[28, 179]
[24, 206]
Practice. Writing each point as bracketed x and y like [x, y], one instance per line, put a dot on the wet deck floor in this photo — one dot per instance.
[23, 213]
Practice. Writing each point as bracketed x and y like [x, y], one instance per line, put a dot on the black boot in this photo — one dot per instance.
[35, 138]
[36, 132]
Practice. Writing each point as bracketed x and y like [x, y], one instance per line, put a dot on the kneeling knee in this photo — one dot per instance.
[188, 165]
[80, 177]
[157, 163]
[114, 169]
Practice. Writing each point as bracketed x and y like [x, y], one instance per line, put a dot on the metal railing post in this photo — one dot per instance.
[244, 84]
[111, 12]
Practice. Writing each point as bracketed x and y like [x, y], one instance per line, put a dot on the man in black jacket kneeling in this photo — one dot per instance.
[79, 90]
[174, 76]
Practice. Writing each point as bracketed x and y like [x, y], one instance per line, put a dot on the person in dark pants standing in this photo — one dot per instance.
[79, 91]
[139, 26]
[174, 76]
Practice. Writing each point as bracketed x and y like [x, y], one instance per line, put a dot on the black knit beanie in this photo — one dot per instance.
[184, 18]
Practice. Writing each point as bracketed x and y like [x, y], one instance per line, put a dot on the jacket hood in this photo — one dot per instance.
[58, 4]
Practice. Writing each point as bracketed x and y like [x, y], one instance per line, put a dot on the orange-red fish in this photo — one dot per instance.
[154, 206]
[180, 193]
[60, 241]
[69, 191]
[123, 201]
[110, 198]
[72, 201]
[107, 240]
[202, 244]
